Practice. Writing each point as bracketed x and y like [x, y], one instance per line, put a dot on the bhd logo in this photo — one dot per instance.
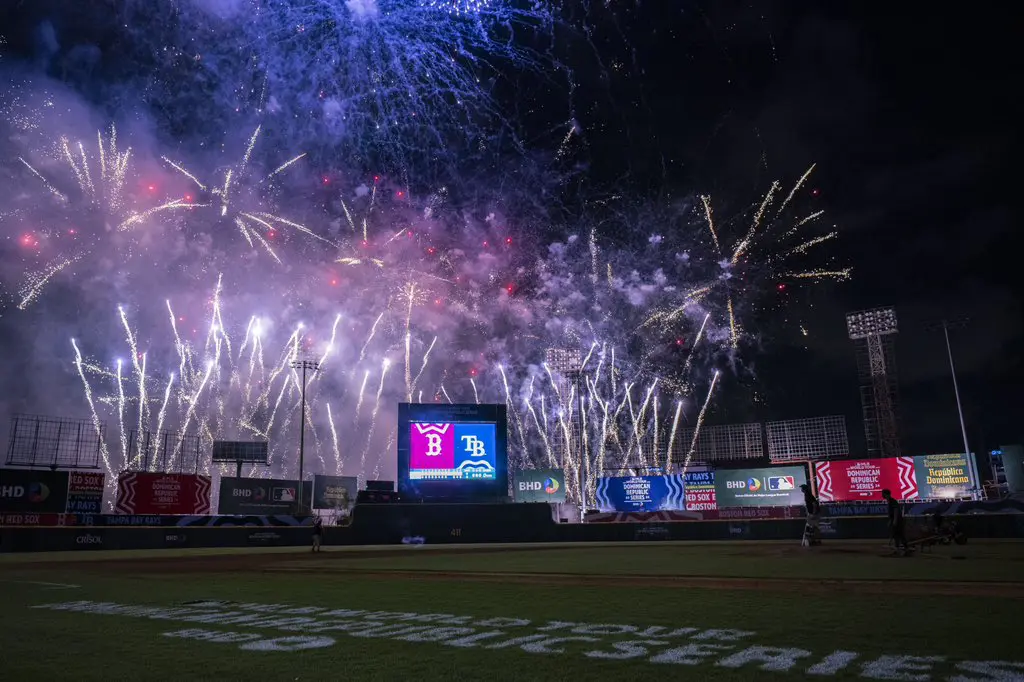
[735, 485]
[551, 486]
[529, 485]
[754, 485]
[35, 492]
[241, 492]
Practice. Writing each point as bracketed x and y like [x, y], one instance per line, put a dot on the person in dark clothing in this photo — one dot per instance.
[896, 526]
[318, 532]
[811, 529]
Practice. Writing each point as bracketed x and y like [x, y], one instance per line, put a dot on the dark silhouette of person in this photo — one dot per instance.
[897, 530]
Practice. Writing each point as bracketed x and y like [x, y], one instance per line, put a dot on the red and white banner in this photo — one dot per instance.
[175, 494]
[865, 479]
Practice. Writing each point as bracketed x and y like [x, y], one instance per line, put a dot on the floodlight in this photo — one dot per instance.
[876, 322]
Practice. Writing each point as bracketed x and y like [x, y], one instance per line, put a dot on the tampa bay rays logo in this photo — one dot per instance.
[433, 433]
[474, 446]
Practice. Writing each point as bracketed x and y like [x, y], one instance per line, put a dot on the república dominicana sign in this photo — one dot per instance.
[315, 627]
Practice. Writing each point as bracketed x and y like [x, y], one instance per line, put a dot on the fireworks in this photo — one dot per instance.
[606, 337]
[99, 201]
[392, 82]
[239, 197]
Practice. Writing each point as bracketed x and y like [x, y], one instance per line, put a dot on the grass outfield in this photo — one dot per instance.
[624, 612]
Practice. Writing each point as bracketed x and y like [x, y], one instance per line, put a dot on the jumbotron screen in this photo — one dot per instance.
[452, 452]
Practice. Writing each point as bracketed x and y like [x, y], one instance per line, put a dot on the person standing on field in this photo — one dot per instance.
[318, 532]
[897, 531]
[812, 528]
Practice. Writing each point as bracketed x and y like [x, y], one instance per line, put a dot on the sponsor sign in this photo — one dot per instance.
[91, 539]
[152, 493]
[770, 487]
[640, 493]
[261, 496]
[264, 538]
[85, 492]
[538, 485]
[908, 478]
[691, 646]
[34, 491]
[943, 476]
[334, 492]
[865, 479]
[175, 539]
[700, 491]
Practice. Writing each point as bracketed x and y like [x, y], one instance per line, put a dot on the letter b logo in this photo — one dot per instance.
[433, 444]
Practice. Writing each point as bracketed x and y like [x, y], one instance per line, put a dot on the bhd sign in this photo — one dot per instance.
[539, 485]
[41, 492]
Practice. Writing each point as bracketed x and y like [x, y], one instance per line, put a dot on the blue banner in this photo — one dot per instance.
[641, 493]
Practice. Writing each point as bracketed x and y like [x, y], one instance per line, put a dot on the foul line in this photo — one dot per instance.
[50, 586]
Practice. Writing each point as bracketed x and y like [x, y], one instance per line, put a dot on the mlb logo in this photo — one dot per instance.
[284, 494]
[781, 483]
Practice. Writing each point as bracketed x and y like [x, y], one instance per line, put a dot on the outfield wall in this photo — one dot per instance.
[445, 524]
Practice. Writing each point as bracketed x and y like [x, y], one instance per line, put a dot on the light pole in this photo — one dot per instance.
[311, 366]
[569, 363]
[945, 325]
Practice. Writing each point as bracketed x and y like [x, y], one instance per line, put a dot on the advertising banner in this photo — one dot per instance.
[85, 492]
[925, 477]
[770, 487]
[261, 496]
[700, 491]
[538, 485]
[865, 479]
[641, 493]
[943, 476]
[334, 492]
[33, 491]
[140, 492]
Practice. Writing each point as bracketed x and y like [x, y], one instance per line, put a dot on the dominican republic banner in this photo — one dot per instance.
[141, 492]
[865, 479]
[641, 493]
[334, 492]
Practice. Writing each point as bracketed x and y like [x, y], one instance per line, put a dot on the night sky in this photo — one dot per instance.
[908, 112]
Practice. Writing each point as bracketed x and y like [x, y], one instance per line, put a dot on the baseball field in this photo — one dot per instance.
[640, 611]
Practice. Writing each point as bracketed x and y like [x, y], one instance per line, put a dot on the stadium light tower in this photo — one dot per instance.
[872, 331]
[568, 362]
[312, 367]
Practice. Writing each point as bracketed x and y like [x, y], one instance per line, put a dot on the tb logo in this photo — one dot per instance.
[433, 444]
[474, 446]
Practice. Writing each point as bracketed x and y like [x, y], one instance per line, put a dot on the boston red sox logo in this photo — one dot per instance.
[433, 433]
